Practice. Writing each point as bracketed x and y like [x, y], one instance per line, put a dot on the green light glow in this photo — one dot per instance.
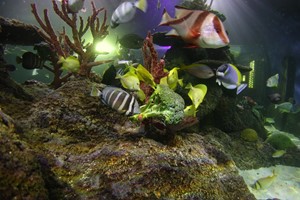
[105, 47]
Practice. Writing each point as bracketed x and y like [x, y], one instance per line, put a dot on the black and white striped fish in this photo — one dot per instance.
[118, 99]
[30, 60]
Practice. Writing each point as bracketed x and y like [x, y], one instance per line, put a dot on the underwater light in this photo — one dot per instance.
[105, 47]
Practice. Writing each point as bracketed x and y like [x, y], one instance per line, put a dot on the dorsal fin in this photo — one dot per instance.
[181, 11]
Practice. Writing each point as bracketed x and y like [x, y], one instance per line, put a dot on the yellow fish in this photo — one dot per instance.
[197, 93]
[71, 63]
[278, 153]
[144, 75]
[130, 81]
[265, 182]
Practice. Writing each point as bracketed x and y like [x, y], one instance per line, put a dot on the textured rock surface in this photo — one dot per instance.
[80, 148]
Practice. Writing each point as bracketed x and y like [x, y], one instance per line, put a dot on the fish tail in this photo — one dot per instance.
[142, 5]
[18, 59]
[166, 18]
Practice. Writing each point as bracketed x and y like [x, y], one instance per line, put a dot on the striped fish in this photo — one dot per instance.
[30, 60]
[198, 28]
[120, 100]
[126, 11]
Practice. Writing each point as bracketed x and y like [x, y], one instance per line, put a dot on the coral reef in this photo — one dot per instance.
[61, 44]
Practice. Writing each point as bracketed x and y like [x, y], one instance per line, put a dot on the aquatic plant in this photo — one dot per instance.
[165, 105]
[198, 4]
[62, 45]
[281, 141]
[152, 64]
[249, 135]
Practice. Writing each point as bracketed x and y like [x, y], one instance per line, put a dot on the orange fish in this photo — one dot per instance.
[196, 27]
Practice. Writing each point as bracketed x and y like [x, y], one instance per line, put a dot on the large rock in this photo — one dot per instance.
[88, 151]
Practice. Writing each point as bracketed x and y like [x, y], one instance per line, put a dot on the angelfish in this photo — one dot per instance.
[117, 99]
[196, 27]
[126, 11]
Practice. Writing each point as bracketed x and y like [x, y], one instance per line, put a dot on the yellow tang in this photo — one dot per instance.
[71, 63]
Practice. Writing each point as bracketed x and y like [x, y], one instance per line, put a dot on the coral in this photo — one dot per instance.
[249, 135]
[62, 46]
[281, 141]
[151, 63]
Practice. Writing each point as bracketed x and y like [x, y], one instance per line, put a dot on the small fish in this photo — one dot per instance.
[270, 120]
[278, 153]
[273, 81]
[7, 67]
[35, 72]
[285, 107]
[144, 75]
[172, 78]
[74, 6]
[274, 98]
[130, 80]
[30, 60]
[197, 93]
[158, 5]
[199, 70]
[131, 41]
[125, 12]
[230, 77]
[265, 182]
[118, 100]
[196, 27]
[70, 63]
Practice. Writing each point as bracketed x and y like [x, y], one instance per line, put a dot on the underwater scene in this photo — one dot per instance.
[150, 99]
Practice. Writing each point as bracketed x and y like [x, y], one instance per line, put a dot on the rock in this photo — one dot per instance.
[15, 32]
[21, 175]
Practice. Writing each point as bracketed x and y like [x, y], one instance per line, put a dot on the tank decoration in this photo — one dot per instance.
[63, 45]
[198, 4]
[249, 135]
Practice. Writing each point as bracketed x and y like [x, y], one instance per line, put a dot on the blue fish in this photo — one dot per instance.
[126, 11]
[230, 77]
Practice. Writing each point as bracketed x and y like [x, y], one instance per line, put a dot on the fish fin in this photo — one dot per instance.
[229, 86]
[181, 11]
[142, 5]
[241, 88]
[172, 32]
[166, 18]
[61, 60]
[18, 59]
[95, 92]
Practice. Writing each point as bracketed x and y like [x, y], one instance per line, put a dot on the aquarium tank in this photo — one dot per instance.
[150, 99]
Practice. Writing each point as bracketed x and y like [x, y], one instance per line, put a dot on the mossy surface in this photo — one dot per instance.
[249, 135]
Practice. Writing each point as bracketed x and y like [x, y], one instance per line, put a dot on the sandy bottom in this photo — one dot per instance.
[286, 186]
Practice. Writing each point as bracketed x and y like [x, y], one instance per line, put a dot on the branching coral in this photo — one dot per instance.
[62, 45]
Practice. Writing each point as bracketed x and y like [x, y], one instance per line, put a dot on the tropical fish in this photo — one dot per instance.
[70, 63]
[144, 75]
[130, 80]
[197, 93]
[7, 67]
[131, 41]
[198, 28]
[126, 11]
[117, 99]
[172, 78]
[274, 98]
[270, 120]
[278, 153]
[230, 77]
[199, 70]
[74, 6]
[273, 81]
[30, 60]
[265, 182]
[287, 107]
